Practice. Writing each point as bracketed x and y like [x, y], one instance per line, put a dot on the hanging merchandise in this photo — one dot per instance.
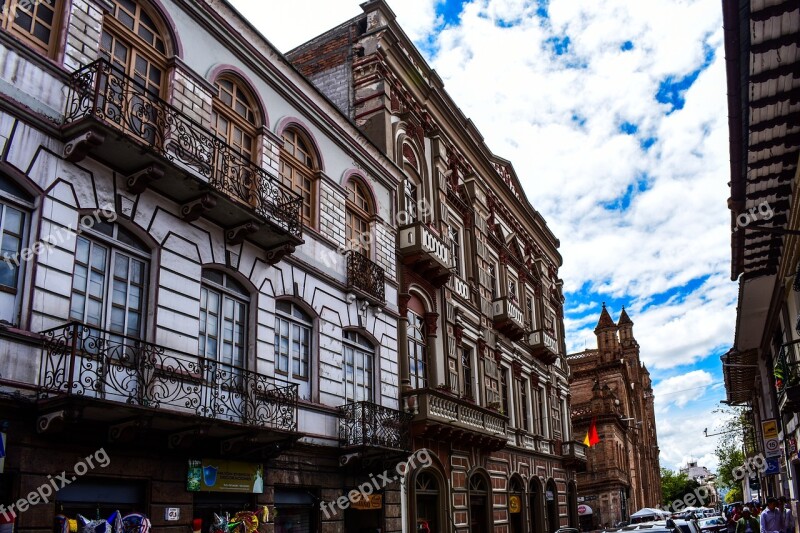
[111, 525]
[135, 523]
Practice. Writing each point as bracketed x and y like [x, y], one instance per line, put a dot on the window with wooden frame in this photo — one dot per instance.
[133, 41]
[522, 385]
[34, 22]
[417, 351]
[359, 211]
[234, 116]
[297, 170]
[224, 313]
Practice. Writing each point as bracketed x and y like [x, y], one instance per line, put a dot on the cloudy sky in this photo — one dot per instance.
[614, 115]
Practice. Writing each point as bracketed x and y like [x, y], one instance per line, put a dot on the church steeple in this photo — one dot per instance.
[606, 332]
[625, 327]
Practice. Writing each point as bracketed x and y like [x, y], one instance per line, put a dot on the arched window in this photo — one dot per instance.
[359, 355]
[413, 190]
[551, 499]
[427, 502]
[479, 504]
[132, 40]
[297, 170]
[359, 212]
[536, 506]
[224, 311]
[417, 350]
[293, 328]
[109, 285]
[36, 23]
[515, 506]
[234, 116]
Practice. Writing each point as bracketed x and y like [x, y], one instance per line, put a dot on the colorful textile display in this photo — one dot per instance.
[135, 523]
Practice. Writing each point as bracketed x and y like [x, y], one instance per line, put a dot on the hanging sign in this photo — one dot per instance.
[514, 504]
[366, 502]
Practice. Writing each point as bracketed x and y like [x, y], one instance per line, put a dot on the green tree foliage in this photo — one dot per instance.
[675, 486]
[737, 427]
[734, 495]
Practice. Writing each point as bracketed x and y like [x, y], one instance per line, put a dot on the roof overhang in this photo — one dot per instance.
[740, 373]
[751, 315]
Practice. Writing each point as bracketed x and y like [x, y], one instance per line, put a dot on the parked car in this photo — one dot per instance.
[713, 524]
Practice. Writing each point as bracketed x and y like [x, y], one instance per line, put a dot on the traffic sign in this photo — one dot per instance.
[772, 447]
[773, 466]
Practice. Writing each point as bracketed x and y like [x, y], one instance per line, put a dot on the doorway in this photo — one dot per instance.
[478, 504]
[551, 499]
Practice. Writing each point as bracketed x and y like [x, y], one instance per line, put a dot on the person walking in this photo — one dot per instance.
[773, 518]
[747, 523]
[788, 517]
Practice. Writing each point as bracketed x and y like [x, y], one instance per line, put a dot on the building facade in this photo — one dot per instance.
[761, 369]
[481, 336]
[177, 289]
[611, 386]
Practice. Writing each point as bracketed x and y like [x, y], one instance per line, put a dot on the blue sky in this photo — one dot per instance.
[613, 114]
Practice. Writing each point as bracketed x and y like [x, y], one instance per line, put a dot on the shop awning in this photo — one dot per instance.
[584, 510]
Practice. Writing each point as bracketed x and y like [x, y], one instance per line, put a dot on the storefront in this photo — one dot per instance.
[296, 510]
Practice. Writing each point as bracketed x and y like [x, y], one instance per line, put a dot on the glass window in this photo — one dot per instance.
[523, 402]
[109, 285]
[234, 117]
[417, 351]
[504, 390]
[411, 193]
[297, 168]
[512, 289]
[493, 281]
[455, 247]
[223, 319]
[12, 223]
[132, 41]
[359, 213]
[466, 372]
[358, 357]
[293, 328]
[35, 22]
[529, 308]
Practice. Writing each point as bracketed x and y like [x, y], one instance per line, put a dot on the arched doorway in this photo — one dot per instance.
[572, 504]
[515, 513]
[551, 504]
[427, 503]
[536, 505]
[479, 504]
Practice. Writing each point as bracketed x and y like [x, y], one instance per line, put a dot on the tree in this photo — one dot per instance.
[675, 486]
[734, 495]
[738, 432]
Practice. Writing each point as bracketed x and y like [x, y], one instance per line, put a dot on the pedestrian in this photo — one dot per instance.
[772, 518]
[747, 523]
[788, 517]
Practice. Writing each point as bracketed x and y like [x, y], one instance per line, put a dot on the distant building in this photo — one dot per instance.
[611, 386]
[706, 478]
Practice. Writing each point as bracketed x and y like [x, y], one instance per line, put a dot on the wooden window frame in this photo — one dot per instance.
[8, 18]
[307, 170]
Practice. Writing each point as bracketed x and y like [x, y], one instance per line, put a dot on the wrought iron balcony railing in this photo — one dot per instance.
[101, 92]
[365, 276]
[371, 425]
[78, 360]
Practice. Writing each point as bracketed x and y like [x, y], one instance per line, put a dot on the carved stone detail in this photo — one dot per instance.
[76, 149]
[139, 181]
[193, 210]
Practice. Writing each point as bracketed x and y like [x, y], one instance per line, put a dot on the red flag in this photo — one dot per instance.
[592, 437]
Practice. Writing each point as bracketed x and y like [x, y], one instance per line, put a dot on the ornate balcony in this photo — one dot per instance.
[573, 454]
[364, 425]
[424, 252]
[365, 277]
[544, 346]
[117, 378]
[508, 318]
[460, 287]
[789, 387]
[442, 416]
[157, 146]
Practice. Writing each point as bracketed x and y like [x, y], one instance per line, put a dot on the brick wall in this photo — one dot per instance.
[191, 98]
[83, 34]
[385, 249]
[335, 84]
[331, 212]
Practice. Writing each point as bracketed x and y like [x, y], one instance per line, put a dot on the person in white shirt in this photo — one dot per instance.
[788, 517]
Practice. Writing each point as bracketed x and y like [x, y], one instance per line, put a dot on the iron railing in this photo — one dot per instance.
[365, 275]
[78, 360]
[104, 93]
[372, 425]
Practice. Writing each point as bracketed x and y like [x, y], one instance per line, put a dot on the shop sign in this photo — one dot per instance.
[549, 495]
[217, 475]
[367, 502]
[172, 514]
[514, 504]
[792, 446]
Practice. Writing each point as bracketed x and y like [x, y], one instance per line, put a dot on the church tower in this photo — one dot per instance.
[606, 332]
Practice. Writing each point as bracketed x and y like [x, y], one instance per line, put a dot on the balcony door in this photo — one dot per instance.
[293, 344]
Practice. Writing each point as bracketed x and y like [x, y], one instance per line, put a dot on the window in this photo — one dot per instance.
[529, 308]
[292, 340]
[538, 413]
[35, 22]
[358, 357]
[466, 372]
[491, 382]
[234, 117]
[417, 351]
[555, 411]
[504, 390]
[523, 403]
[297, 170]
[109, 286]
[411, 189]
[12, 224]
[223, 319]
[359, 212]
[493, 281]
[455, 247]
[512, 289]
[132, 41]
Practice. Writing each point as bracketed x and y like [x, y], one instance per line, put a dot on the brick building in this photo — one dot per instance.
[481, 334]
[611, 386]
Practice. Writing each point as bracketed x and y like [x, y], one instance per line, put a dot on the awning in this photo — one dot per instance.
[739, 370]
[584, 510]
